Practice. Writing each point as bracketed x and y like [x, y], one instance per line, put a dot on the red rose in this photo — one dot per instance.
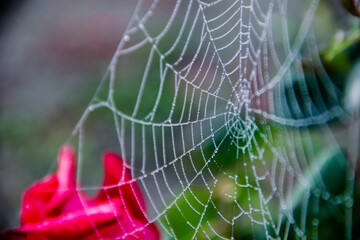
[56, 208]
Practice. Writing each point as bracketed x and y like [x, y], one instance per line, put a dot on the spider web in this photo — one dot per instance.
[225, 129]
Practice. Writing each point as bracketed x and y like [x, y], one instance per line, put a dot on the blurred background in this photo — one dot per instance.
[53, 55]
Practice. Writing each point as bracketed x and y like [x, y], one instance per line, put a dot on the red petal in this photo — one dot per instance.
[100, 221]
[35, 199]
[66, 168]
[53, 208]
[73, 225]
[53, 195]
[118, 183]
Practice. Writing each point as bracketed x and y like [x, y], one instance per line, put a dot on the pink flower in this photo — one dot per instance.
[56, 208]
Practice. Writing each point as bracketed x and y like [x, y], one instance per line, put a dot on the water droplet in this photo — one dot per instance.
[126, 38]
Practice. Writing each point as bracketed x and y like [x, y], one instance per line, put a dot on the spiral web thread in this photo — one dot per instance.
[222, 129]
